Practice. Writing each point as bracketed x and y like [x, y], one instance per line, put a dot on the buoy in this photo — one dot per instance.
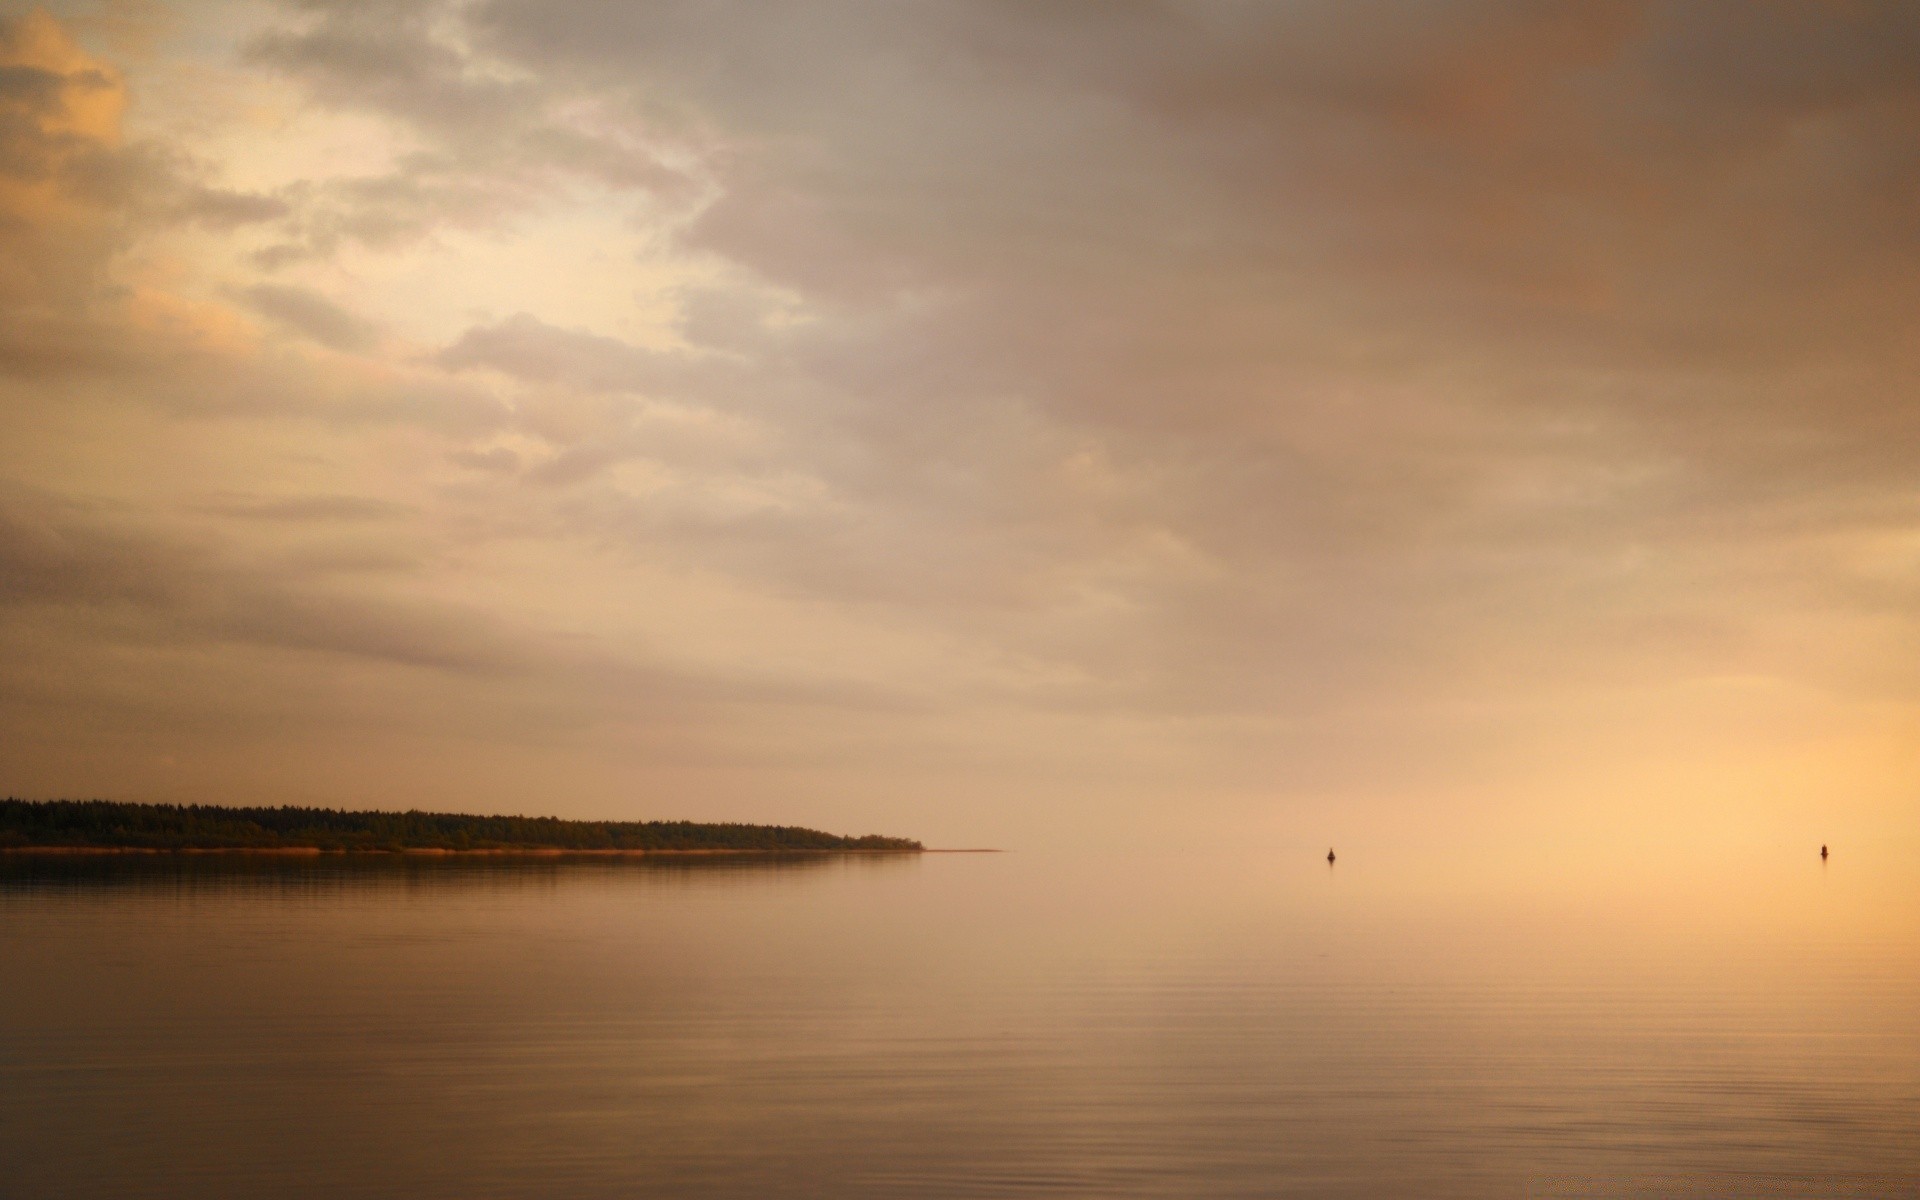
[1823, 853]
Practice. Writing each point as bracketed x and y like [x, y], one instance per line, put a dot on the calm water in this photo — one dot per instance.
[963, 1025]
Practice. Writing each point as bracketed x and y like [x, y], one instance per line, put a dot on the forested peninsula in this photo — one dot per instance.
[83, 825]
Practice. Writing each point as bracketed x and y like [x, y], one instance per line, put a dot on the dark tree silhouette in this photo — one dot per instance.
[102, 823]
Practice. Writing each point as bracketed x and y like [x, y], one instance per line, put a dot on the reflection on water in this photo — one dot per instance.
[948, 1026]
[296, 874]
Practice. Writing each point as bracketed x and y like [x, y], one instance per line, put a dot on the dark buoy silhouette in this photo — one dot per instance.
[1823, 854]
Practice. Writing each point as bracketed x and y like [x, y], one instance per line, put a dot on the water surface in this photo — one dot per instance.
[965, 1025]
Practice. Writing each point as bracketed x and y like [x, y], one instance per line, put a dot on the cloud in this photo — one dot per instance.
[223, 209]
[57, 554]
[1330, 288]
[60, 162]
[308, 508]
[313, 315]
[1215, 367]
[529, 349]
[503, 142]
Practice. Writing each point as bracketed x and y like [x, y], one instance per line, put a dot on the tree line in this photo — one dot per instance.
[109, 824]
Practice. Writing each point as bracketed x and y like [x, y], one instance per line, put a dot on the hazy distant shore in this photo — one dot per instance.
[438, 852]
[109, 827]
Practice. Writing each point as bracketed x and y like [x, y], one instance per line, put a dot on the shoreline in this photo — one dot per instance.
[92, 827]
[438, 852]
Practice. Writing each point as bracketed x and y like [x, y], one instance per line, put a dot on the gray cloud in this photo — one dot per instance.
[223, 209]
[1330, 284]
[312, 314]
[529, 349]
[1172, 362]
[500, 146]
[56, 553]
[308, 508]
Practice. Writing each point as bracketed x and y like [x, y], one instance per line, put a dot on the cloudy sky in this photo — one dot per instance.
[982, 421]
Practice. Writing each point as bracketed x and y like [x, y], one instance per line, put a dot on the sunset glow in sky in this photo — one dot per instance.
[990, 423]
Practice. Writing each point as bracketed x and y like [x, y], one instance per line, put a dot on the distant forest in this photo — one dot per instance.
[105, 824]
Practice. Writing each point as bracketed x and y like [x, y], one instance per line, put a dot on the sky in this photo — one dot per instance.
[995, 423]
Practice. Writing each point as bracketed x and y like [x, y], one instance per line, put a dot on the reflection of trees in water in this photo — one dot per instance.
[341, 873]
